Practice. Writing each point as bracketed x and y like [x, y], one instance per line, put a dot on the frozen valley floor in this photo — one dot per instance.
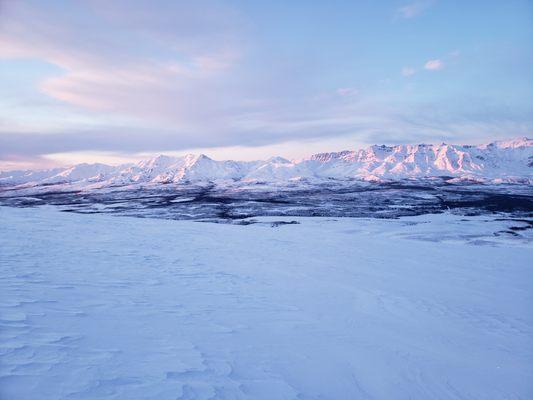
[104, 307]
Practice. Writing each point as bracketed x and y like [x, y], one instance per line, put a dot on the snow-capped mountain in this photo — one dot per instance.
[502, 161]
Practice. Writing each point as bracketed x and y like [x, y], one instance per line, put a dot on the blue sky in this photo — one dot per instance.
[118, 81]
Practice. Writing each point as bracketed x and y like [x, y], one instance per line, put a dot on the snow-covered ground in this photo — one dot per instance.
[426, 307]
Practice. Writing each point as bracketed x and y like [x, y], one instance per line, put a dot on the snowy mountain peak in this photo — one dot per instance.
[158, 161]
[193, 158]
[278, 160]
[523, 142]
[328, 157]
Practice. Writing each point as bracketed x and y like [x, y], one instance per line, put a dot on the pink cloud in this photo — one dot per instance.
[347, 91]
[105, 70]
[434, 65]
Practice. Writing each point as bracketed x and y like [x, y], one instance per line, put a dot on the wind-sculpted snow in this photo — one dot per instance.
[507, 161]
[433, 307]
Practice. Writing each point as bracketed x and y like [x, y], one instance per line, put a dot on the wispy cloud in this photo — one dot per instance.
[347, 91]
[175, 76]
[434, 65]
[408, 71]
[152, 64]
[413, 9]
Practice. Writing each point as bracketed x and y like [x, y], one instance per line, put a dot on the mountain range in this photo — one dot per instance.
[500, 161]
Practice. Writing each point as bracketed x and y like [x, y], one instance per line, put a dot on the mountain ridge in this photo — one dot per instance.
[499, 161]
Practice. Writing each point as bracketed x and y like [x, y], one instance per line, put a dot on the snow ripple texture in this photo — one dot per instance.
[102, 307]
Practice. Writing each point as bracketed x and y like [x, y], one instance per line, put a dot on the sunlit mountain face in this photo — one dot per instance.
[505, 161]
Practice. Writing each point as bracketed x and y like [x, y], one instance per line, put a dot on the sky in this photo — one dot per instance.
[118, 81]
